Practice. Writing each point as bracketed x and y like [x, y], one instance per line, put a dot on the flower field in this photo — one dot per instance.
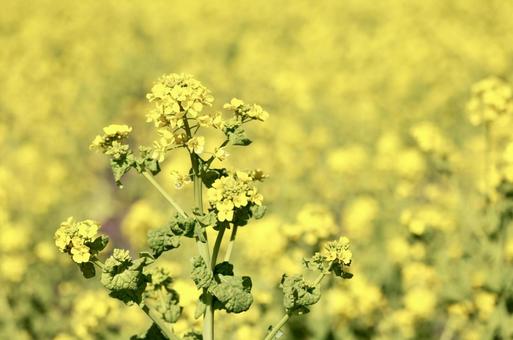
[313, 136]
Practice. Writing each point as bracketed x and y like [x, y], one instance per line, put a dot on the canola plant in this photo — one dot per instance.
[389, 123]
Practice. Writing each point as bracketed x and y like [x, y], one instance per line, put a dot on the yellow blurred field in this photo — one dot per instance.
[380, 129]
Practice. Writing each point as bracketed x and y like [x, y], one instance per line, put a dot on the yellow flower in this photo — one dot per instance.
[117, 130]
[196, 145]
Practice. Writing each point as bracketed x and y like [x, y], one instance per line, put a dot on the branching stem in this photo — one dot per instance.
[160, 323]
[164, 193]
[217, 246]
[229, 249]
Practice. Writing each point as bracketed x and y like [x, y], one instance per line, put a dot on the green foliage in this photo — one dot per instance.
[161, 240]
[153, 333]
[124, 277]
[200, 274]
[233, 293]
[299, 294]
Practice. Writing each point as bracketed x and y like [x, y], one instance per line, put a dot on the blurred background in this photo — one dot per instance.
[368, 137]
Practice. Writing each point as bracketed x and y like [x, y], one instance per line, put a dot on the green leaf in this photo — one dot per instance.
[205, 219]
[233, 293]
[121, 166]
[87, 269]
[258, 211]
[160, 295]
[200, 274]
[183, 226]
[224, 268]
[169, 307]
[299, 294]
[201, 307]
[238, 137]
[145, 163]
[161, 240]
[191, 335]
[98, 244]
[123, 276]
[210, 176]
[318, 262]
[153, 333]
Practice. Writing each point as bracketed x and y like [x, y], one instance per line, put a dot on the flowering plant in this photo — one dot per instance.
[179, 115]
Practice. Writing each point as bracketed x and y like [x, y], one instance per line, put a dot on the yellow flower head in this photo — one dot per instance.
[491, 97]
[75, 238]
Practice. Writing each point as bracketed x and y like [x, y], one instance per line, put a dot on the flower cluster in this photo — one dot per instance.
[245, 111]
[335, 257]
[175, 96]
[491, 98]
[111, 143]
[79, 239]
[236, 190]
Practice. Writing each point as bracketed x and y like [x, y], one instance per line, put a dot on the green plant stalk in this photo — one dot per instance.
[160, 323]
[275, 329]
[203, 248]
[164, 193]
[229, 249]
[208, 320]
[217, 246]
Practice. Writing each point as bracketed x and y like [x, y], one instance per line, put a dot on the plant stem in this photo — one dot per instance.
[97, 262]
[285, 318]
[229, 249]
[160, 323]
[203, 248]
[164, 193]
[217, 246]
[277, 328]
[208, 321]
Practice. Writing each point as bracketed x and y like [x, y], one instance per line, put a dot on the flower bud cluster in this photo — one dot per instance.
[112, 142]
[177, 96]
[491, 98]
[246, 111]
[76, 239]
[236, 190]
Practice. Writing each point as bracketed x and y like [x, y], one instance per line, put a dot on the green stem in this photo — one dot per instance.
[97, 262]
[277, 328]
[203, 248]
[217, 246]
[285, 318]
[160, 323]
[164, 193]
[229, 249]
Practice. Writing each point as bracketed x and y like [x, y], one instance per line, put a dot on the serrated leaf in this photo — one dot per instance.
[298, 294]
[183, 226]
[161, 240]
[123, 276]
[200, 274]
[233, 293]
[120, 167]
